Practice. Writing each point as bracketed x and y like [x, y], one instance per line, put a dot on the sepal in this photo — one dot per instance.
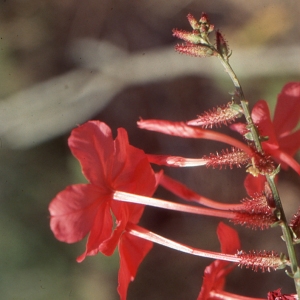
[225, 114]
[222, 46]
[262, 260]
[196, 50]
[235, 157]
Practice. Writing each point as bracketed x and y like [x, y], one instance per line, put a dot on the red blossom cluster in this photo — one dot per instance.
[121, 182]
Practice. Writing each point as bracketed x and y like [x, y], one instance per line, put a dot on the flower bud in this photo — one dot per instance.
[204, 18]
[190, 37]
[196, 50]
[193, 22]
[222, 45]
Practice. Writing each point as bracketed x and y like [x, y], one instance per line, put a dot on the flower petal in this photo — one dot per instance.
[290, 143]
[132, 171]
[92, 144]
[73, 212]
[241, 128]
[287, 112]
[215, 274]
[132, 251]
[100, 231]
[228, 238]
[261, 117]
[286, 160]
[254, 185]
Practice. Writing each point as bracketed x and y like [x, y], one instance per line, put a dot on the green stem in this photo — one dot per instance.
[244, 103]
[287, 234]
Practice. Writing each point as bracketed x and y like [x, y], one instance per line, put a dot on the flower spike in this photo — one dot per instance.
[196, 42]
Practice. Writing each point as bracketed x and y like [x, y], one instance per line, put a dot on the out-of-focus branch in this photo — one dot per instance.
[52, 108]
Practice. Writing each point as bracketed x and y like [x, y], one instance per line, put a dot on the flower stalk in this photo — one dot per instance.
[287, 234]
[254, 140]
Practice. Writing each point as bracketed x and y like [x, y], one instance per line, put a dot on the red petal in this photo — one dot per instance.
[239, 127]
[121, 212]
[92, 144]
[228, 238]
[132, 171]
[108, 246]
[129, 212]
[254, 185]
[286, 160]
[212, 279]
[132, 251]
[290, 143]
[261, 117]
[215, 274]
[100, 232]
[287, 112]
[124, 213]
[73, 212]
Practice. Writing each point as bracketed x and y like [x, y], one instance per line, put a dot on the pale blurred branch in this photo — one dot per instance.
[52, 108]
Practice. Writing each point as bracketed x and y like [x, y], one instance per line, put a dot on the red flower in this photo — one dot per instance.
[276, 295]
[215, 274]
[283, 142]
[109, 165]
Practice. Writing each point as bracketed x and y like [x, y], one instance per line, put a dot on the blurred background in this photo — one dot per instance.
[65, 62]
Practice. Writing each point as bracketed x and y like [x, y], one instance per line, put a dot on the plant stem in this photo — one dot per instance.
[287, 235]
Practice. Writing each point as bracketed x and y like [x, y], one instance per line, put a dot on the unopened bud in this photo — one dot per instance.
[211, 28]
[196, 50]
[190, 37]
[193, 22]
[204, 18]
[269, 195]
[222, 45]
